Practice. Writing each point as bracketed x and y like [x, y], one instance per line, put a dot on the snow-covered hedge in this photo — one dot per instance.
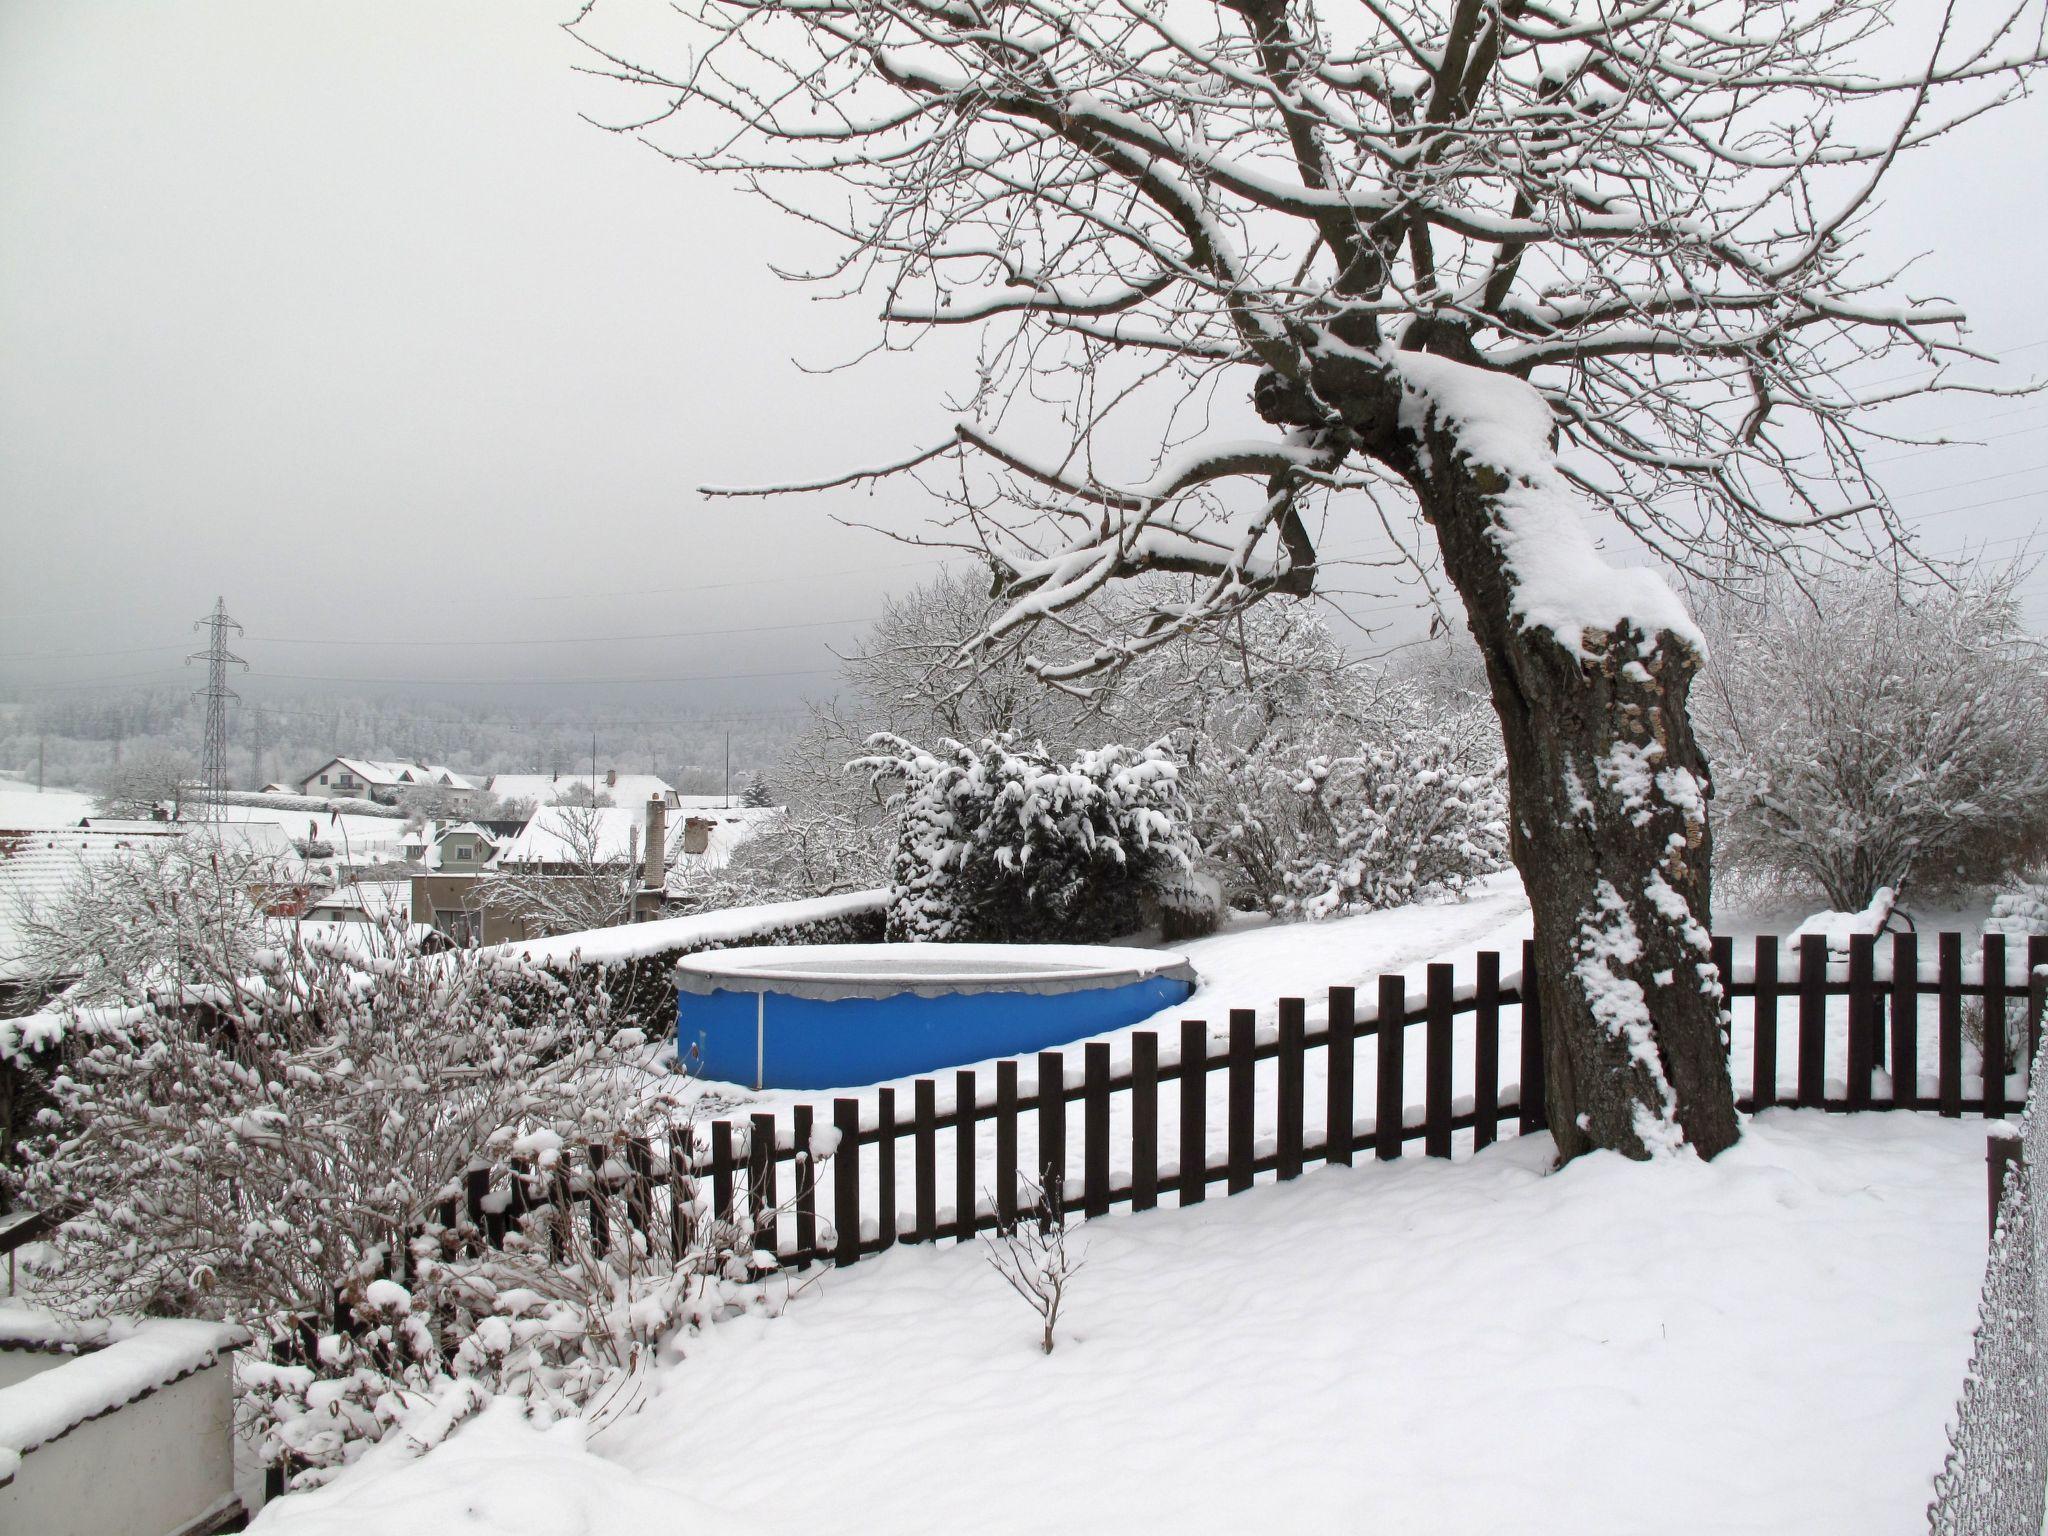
[632, 964]
[319, 804]
[1005, 844]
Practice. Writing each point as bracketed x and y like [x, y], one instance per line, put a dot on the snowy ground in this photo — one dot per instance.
[25, 809]
[1770, 1344]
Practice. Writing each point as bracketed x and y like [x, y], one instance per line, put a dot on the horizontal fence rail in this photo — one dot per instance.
[1880, 1025]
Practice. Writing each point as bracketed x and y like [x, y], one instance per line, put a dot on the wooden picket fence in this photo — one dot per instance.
[804, 1177]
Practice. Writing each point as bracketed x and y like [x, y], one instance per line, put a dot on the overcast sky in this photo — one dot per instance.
[340, 312]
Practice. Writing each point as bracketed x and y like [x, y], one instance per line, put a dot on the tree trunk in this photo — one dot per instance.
[1607, 796]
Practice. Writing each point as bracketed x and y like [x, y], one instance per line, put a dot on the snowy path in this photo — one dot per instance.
[1768, 1344]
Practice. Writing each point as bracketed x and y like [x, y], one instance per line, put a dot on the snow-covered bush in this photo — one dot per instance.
[1004, 843]
[1388, 797]
[255, 1149]
[562, 1320]
[1863, 737]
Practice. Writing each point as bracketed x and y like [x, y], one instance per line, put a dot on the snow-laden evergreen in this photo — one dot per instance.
[1001, 842]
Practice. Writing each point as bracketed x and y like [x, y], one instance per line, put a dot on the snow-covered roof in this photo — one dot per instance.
[729, 828]
[466, 826]
[623, 789]
[386, 772]
[375, 899]
[574, 834]
[38, 869]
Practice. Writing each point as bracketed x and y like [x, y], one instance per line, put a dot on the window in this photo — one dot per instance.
[462, 850]
[323, 778]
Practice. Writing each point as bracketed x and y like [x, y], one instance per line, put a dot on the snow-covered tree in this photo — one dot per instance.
[1501, 263]
[148, 783]
[1870, 736]
[1002, 843]
[572, 872]
[1400, 802]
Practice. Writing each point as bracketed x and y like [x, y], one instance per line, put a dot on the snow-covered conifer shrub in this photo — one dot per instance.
[1001, 843]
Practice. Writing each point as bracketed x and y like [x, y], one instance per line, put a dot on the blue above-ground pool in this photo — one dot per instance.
[840, 1015]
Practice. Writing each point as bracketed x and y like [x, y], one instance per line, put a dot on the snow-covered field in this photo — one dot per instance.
[1772, 1343]
[26, 809]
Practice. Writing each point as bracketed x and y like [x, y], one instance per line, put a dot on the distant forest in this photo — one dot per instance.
[287, 737]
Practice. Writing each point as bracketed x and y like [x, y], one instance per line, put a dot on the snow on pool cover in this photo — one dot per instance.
[840, 1015]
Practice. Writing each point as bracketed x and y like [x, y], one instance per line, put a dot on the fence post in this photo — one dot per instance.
[1530, 1114]
[1144, 1120]
[1339, 1119]
[1390, 1093]
[600, 1214]
[721, 1171]
[761, 1196]
[2004, 1154]
[640, 1191]
[846, 1180]
[1194, 1111]
[2037, 1000]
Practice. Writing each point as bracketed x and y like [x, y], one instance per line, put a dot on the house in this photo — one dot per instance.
[465, 846]
[628, 791]
[361, 778]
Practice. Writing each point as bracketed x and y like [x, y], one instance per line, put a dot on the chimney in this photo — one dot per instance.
[611, 778]
[657, 844]
[696, 835]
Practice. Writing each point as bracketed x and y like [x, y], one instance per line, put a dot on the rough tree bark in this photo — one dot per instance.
[1607, 792]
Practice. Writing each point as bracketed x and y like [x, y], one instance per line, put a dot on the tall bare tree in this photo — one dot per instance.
[1496, 263]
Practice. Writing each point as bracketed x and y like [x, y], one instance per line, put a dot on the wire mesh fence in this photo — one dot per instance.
[1993, 1481]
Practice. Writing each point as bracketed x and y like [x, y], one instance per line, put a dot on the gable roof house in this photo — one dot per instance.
[364, 778]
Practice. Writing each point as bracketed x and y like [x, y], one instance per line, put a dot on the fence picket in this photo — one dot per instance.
[600, 1217]
[1949, 948]
[1862, 1024]
[1244, 1026]
[885, 1163]
[1339, 1119]
[721, 1177]
[1288, 1132]
[805, 1168]
[1194, 1111]
[1764, 1025]
[925, 1158]
[1994, 1026]
[639, 1189]
[1813, 1020]
[682, 1189]
[2037, 999]
[1144, 1120]
[761, 1197]
[1436, 1063]
[1390, 1088]
[1006, 1143]
[1052, 1129]
[1906, 1020]
[1486, 1051]
[846, 1180]
[964, 1163]
[1095, 1129]
[1530, 1114]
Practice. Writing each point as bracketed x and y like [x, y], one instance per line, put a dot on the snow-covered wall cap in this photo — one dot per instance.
[634, 941]
[120, 1361]
[1558, 580]
[827, 972]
